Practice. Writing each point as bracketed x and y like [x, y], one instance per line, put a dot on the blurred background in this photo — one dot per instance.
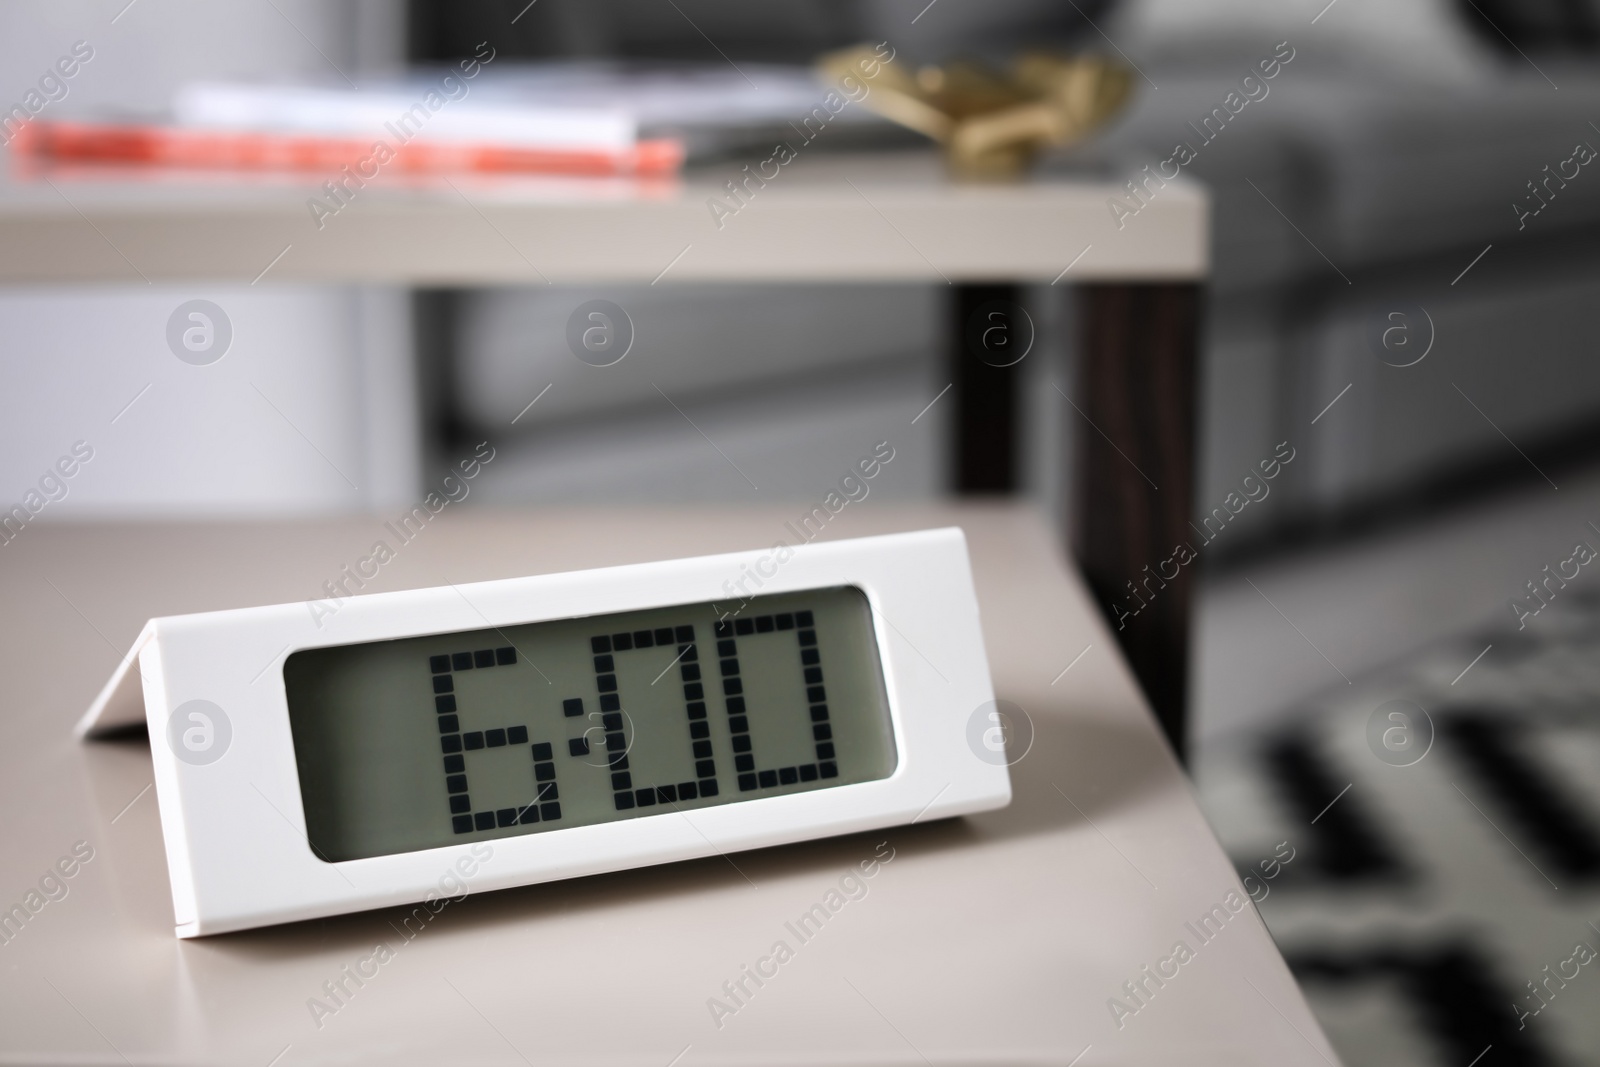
[1404, 157]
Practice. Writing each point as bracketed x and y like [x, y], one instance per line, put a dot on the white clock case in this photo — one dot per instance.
[235, 828]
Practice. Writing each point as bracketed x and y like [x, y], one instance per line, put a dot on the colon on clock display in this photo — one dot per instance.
[421, 742]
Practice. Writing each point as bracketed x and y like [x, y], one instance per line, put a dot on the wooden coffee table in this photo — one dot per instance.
[999, 938]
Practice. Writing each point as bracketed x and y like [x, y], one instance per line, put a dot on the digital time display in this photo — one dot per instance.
[422, 742]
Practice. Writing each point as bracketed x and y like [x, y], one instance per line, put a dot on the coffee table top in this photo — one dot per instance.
[998, 938]
[823, 217]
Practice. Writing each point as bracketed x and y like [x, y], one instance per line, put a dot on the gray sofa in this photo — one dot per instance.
[1382, 163]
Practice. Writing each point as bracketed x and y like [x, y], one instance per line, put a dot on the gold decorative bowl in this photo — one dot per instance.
[992, 125]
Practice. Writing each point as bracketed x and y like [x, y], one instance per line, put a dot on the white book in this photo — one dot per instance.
[409, 108]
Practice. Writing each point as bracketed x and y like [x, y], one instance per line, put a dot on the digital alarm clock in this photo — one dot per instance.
[310, 763]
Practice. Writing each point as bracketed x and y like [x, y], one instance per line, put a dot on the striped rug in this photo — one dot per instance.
[1424, 845]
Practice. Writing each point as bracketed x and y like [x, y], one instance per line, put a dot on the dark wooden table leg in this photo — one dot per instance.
[1136, 459]
[984, 453]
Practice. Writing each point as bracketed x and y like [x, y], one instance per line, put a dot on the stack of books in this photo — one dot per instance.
[416, 127]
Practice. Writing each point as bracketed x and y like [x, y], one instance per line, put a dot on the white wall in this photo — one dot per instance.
[154, 46]
[277, 425]
[311, 409]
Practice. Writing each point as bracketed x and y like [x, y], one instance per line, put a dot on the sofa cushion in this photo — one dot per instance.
[1372, 171]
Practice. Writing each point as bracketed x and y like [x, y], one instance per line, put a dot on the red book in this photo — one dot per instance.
[184, 147]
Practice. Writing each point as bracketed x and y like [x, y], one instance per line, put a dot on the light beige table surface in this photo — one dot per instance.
[879, 217]
[993, 939]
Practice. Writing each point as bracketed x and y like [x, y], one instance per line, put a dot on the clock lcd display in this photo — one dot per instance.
[422, 742]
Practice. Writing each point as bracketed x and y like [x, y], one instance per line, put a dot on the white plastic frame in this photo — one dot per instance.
[235, 828]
